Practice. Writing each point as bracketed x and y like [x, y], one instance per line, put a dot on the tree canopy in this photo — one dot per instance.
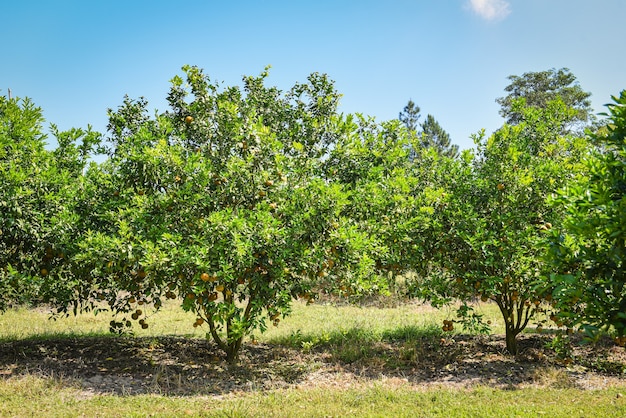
[37, 200]
[489, 235]
[237, 200]
[540, 88]
[429, 132]
[590, 249]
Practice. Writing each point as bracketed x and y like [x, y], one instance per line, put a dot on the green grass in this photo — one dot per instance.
[312, 320]
[31, 396]
[318, 320]
[24, 323]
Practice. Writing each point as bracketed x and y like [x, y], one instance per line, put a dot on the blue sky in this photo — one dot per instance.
[76, 59]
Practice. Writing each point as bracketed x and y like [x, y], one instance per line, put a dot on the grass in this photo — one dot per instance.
[33, 396]
[24, 323]
[348, 333]
[306, 321]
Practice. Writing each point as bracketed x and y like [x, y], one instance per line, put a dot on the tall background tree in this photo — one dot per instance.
[429, 132]
[540, 88]
[433, 135]
[410, 116]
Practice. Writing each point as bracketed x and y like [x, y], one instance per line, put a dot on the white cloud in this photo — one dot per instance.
[490, 9]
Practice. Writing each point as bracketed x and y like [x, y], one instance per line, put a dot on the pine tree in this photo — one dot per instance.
[410, 116]
[430, 132]
[433, 135]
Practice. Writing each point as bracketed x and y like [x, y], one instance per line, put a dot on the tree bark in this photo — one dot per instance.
[511, 341]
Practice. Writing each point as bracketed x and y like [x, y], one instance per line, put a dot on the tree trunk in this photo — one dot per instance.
[232, 351]
[231, 355]
[511, 340]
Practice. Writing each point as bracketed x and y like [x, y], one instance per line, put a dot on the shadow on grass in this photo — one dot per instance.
[189, 366]
[134, 365]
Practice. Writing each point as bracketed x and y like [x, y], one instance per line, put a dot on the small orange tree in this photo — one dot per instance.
[491, 235]
[220, 202]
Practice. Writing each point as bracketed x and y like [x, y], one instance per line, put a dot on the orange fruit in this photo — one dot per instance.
[188, 119]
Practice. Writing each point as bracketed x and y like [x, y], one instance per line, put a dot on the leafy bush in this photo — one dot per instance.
[589, 251]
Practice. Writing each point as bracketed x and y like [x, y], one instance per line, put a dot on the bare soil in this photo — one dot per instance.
[183, 366]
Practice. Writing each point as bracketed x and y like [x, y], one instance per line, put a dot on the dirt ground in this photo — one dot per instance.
[181, 366]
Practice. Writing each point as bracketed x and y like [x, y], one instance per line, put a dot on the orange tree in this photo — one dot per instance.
[392, 197]
[219, 202]
[37, 194]
[589, 250]
[490, 238]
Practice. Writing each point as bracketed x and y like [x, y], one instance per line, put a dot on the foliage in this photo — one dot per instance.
[220, 202]
[391, 196]
[496, 213]
[589, 251]
[238, 199]
[429, 132]
[433, 135]
[37, 195]
[410, 116]
[542, 87]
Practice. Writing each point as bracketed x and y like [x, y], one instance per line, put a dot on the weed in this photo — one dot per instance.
[562, 347]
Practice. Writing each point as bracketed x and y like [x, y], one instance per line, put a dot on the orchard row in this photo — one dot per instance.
[239, 199]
